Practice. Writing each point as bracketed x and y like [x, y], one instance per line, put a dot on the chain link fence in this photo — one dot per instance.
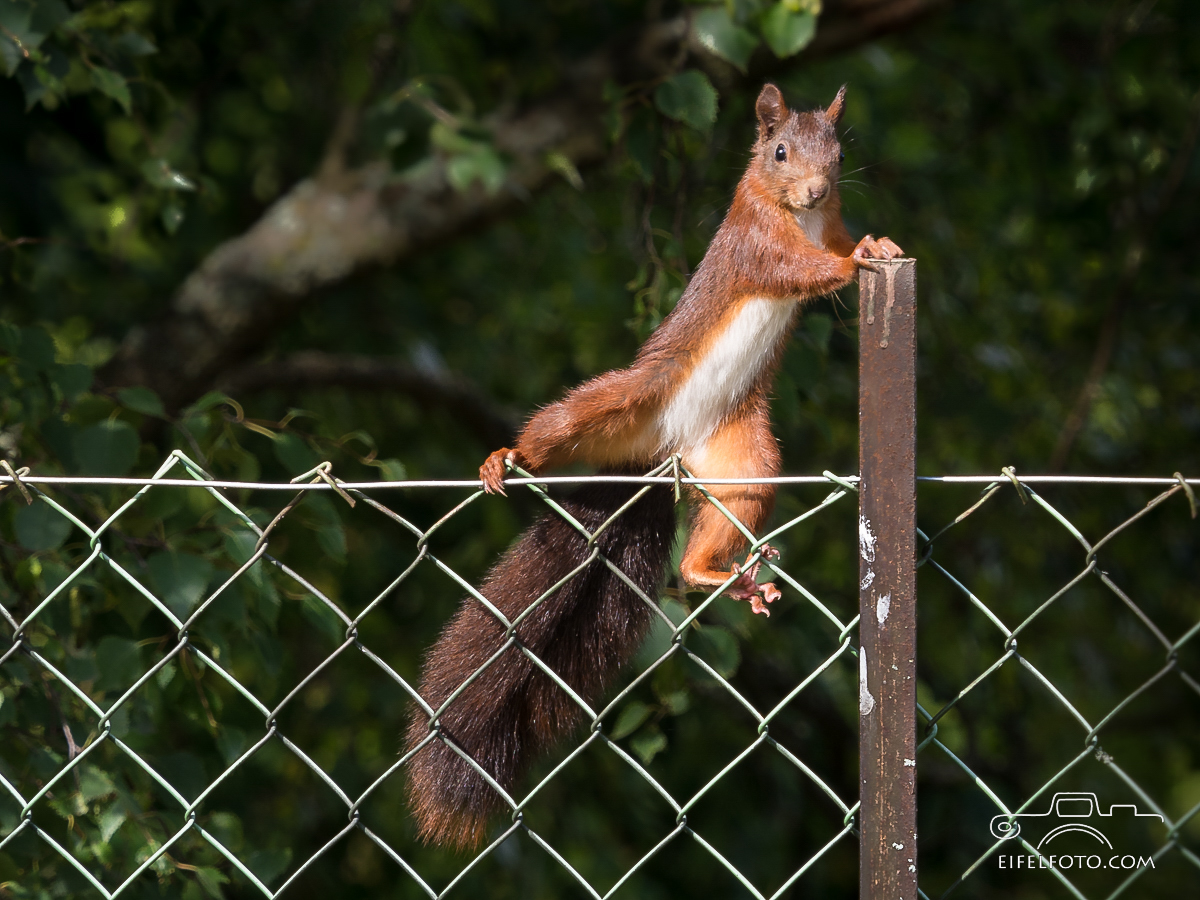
[95, 787]
[99, 713]
[1107, 715]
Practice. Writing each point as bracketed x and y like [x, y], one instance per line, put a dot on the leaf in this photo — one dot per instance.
[720, 35]
[160, 174]
[267, 864]
[678, 702]
[36, 348]
[112, 819]
[787, 31]
[133, 44]
[107, 448]
[719, 648]
[112, 84]
[10, 54]
[323, 618]
[141, 400]
[391, 469]
[94, 783]
[562, 164]
[688, 97]
[43, 83]
[180, 580]
[41, 527]
[296, 455]
[165, 674]
[207, 402]
[648, 745]
[49, 14]
[18, 34]
[320, 510]
[211, 880]
[482, 164]
[172, 217]
[119, 662]
[72, 379]
[184, 771]
[630, 719]
[230, 743]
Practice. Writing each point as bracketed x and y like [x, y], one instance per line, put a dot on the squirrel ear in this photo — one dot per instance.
[771, 110]
[837, 107]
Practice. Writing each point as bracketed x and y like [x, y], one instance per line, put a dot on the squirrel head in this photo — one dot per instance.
[798, 156]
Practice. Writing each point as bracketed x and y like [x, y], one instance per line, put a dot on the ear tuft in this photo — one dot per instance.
[837, 107]
[771, 110]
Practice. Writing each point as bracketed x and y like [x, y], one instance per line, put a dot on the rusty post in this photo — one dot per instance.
[887, 504]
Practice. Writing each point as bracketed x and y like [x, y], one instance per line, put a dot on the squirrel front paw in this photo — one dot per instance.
[885, 248]
[493, 470]
[869, 248]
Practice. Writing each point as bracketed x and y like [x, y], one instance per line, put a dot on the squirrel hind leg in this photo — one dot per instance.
[715, 540]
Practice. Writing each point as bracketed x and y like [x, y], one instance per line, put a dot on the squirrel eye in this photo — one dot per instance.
[841, 156]
[780, 153]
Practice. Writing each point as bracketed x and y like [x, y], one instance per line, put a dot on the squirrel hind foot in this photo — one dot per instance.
[746, 588]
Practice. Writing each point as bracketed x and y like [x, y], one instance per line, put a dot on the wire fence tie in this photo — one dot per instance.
[321, 472]
[679, 493]
[1187, 489]
[24, 470]
[1012, 476]
[843, 482]
[848, 819]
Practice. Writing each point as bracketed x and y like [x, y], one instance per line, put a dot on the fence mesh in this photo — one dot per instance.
[1006, 617]
[73, 766]
[63, 785]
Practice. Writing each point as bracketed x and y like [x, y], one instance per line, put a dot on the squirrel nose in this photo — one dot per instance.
[818, 191]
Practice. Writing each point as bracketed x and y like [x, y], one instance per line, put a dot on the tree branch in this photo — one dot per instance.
[340, 222]
[430, 390]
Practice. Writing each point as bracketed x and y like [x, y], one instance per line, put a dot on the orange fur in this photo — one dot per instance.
[782, 242]
[743, 448]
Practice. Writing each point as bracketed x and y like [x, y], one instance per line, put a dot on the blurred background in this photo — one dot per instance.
[380, 233]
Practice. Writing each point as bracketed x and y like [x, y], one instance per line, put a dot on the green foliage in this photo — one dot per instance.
[688, 97]
[106, 448]
[55, 54]
[729, 30]
[718, 32]
[787, 31]
[39, 527]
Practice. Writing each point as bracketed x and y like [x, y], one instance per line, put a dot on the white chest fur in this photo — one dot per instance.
[725, 374]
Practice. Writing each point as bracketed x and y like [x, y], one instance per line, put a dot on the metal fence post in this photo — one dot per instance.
[887, 587]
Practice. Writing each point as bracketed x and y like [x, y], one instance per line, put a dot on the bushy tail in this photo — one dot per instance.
[584, 632]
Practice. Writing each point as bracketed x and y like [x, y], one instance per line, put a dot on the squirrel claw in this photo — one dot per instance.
[869, 248]
[886, 248]
[862, 254]
[746, 588]
[769, 594]
[493, 470]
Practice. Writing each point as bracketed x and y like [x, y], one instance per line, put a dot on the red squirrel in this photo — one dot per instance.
[698, 388]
